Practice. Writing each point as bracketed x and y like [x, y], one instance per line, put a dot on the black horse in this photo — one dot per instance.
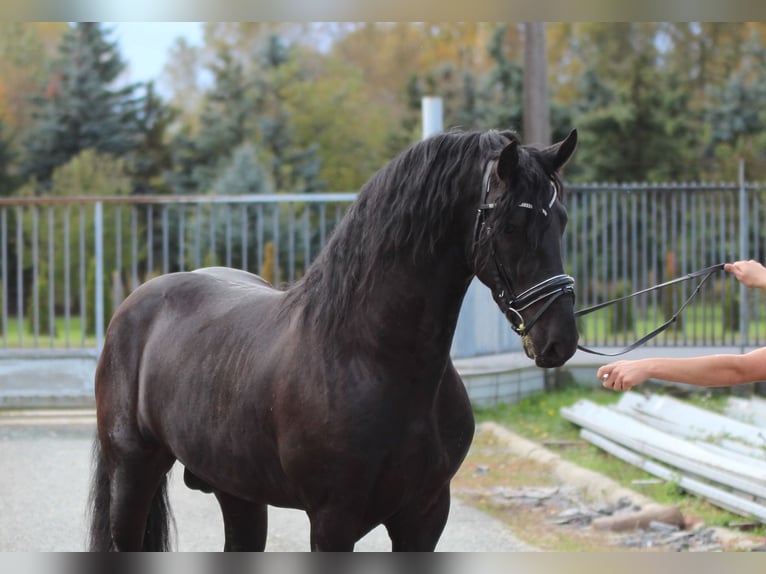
[338, 395]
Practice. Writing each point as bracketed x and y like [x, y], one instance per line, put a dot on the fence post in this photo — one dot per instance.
[431, 109]
[98, 225]
[744, 234]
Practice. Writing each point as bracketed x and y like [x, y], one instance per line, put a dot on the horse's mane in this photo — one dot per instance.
[404, 211]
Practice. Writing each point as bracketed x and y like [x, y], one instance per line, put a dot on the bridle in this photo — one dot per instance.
[509, 302]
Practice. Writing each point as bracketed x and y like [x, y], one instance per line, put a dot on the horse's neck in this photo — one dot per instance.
[415, 310]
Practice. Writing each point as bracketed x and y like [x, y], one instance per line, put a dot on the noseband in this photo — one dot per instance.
[510, 303]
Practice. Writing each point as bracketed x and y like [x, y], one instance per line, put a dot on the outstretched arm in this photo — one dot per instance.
[707, 371]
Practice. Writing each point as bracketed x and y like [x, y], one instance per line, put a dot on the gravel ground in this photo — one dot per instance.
[44, 482]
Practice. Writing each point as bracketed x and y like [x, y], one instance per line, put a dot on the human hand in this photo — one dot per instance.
[750, 273]
[623, 375]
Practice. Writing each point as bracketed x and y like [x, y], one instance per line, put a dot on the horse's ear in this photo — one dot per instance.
[509, 159]
[559, 153]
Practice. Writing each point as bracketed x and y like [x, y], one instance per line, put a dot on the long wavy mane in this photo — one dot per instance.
[403, 213]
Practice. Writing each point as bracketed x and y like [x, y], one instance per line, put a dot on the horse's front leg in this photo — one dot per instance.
[418, 528]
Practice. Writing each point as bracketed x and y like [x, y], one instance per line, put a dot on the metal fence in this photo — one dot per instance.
[623, 238]
[65, 263]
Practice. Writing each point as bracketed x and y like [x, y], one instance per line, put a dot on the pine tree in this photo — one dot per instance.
[737, 116]
[8, 180]
[83, 107]
[152, 158]
[250, 101]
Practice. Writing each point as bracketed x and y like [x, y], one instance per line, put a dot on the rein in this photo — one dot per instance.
[510, 303]
[704, 273]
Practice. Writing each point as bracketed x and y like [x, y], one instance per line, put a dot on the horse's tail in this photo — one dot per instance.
[100, 536]
[157, 534]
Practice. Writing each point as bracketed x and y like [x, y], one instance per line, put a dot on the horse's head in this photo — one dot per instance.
[517, 245]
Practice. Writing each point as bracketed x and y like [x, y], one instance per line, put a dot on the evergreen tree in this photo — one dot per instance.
[244, 174]
[504, 87]
[152, 158]
[635, 122]
[737, 117]
[8, 180]
[83, 107]
[248, 105]
[295, 168]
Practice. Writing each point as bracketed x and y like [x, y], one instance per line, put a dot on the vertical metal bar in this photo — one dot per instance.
[616, 223]
[149, 242]
[83, 301]
[755, 294]
[674, 270]
[744, 234]
[198, 236]
[67, 280]
[605, 257]
[211, 236]
[655, 255]
[634, 249]
[722, 242]
[306, 237]
[117, 274]
[596, 281]
[134, 247]
[290, 243]
[228, 234]
[322, 224]
[667, 295]
[165, 240]
[259, 237]
[713, 240]
[20, 274]
[643, 279]
[682, 224]
[51, 281]
[694, 259]
[243, 234]
[275, 226]
[4, 256]
[98, 229]
[35, 277]
[181, 237]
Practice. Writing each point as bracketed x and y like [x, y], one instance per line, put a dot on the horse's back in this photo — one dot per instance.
[237, 276]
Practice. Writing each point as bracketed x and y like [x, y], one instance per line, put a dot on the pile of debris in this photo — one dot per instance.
[631, 526]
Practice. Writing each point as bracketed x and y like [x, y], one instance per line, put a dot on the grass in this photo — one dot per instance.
[27, 340]
[700, 324]
[537, 418]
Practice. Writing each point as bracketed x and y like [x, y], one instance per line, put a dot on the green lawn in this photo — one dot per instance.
[27, 340]
[701, 324]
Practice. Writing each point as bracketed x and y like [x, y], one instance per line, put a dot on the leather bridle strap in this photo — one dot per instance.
[704, 273]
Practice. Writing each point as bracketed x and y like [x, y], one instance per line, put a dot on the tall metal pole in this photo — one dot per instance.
[744, 234]
[431, 109]
[98, 217]
[537, 116]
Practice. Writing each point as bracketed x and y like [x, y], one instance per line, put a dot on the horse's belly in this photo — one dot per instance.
[255, 476]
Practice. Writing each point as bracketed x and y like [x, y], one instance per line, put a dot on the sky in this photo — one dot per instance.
[145, 45]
